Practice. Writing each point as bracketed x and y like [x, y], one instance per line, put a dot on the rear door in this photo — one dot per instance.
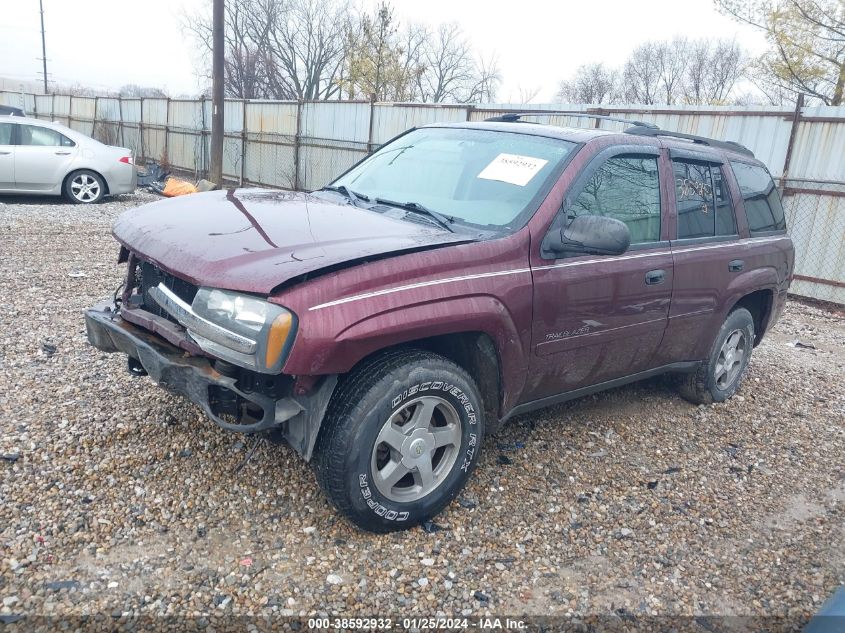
[706, 253]
[597, 318]
[43, 157]
[7, 157]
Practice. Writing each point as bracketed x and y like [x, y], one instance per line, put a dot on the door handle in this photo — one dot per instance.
[4, 153]
[655, 277]
[62, 153]
[736, 265]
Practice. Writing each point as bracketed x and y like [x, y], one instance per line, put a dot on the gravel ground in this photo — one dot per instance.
[118, 498]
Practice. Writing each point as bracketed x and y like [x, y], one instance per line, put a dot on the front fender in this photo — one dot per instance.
[409, 323]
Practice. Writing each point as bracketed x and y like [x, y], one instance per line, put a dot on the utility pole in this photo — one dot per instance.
[217, 70]
[43, 44]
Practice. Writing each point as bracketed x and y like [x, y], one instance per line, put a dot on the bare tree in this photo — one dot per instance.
[307, 47]
[641, 75]
[448, 69]
[698, 71]
[672, 67]
[527, 95]
[713, 69]
[591, 83]
[280, 49]
[147, 92]
[488, 80]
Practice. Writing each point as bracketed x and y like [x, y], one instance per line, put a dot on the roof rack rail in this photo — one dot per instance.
[701, 140]
[515, 117]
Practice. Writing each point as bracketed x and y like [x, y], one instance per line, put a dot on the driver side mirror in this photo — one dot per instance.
[592, 235]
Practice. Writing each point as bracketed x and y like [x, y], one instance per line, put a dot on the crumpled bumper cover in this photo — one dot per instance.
[298, 417]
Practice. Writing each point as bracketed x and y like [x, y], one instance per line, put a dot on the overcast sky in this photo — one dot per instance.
[108, 43]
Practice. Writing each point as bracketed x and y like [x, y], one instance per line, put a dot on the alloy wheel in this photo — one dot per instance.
[730, 360]
[85, 188]
[416, 449]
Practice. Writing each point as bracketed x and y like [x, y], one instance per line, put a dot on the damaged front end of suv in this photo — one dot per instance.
[222, 350]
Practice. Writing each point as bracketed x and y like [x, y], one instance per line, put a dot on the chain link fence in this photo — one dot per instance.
[815, 216]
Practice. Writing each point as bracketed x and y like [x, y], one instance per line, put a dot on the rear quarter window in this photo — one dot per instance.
[763, 207]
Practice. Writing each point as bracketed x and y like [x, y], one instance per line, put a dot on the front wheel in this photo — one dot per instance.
[85, 187]
[400, 439]
[719, 377]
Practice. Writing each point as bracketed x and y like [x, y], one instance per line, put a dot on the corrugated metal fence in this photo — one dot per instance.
[305, 145]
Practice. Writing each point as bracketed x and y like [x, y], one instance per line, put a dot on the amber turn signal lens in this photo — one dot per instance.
[276, 339]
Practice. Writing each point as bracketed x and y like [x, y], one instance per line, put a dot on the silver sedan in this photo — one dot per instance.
[37, 157]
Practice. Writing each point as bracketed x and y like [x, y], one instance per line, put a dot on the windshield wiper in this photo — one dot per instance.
[348, 193]
[443, 221]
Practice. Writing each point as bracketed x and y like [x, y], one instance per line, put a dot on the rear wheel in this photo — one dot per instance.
[400, 439]
[84, 187]
[719, 378]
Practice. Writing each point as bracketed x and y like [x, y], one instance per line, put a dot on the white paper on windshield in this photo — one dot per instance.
[513, 169]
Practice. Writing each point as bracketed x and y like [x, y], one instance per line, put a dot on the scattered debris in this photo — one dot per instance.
[431, 527]
[10, 457]
[76, 274]
[48, 348]
[246, 562]
[504, 460]
[334, 579]
[802, 345]
[481, 597]
[672, 470]
[152, 175]
[469, 504]
[177, 187]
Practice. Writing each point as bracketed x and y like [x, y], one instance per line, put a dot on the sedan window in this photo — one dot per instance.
[43, 136]
[5, 133]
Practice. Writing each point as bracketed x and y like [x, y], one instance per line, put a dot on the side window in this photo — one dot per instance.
[704, 202]
[625, 188]
[5, 133]
[725, 214]
[763, 207]
[44, 137]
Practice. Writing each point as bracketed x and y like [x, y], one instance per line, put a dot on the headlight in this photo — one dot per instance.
[251, 319]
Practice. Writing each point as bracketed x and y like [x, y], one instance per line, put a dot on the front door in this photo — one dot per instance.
[42, 158]
[597, 318]
[7, 157]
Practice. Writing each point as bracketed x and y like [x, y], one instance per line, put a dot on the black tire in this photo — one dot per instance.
[704, 386]
[84, 186]
[365, 401]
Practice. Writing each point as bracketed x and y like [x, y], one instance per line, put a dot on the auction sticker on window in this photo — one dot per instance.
[513, 169]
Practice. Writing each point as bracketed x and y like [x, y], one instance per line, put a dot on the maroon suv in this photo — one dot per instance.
[460, 275]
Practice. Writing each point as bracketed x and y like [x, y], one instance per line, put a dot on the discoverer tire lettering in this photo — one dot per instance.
[382, 389]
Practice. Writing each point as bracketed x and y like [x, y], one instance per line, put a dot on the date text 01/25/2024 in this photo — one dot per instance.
[417, 624]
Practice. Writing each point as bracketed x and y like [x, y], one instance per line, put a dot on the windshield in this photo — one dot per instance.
[477, 176]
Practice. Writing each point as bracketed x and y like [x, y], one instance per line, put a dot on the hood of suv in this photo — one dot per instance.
[253, 240]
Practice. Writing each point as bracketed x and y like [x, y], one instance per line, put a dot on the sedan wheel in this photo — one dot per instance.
[84, 187]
